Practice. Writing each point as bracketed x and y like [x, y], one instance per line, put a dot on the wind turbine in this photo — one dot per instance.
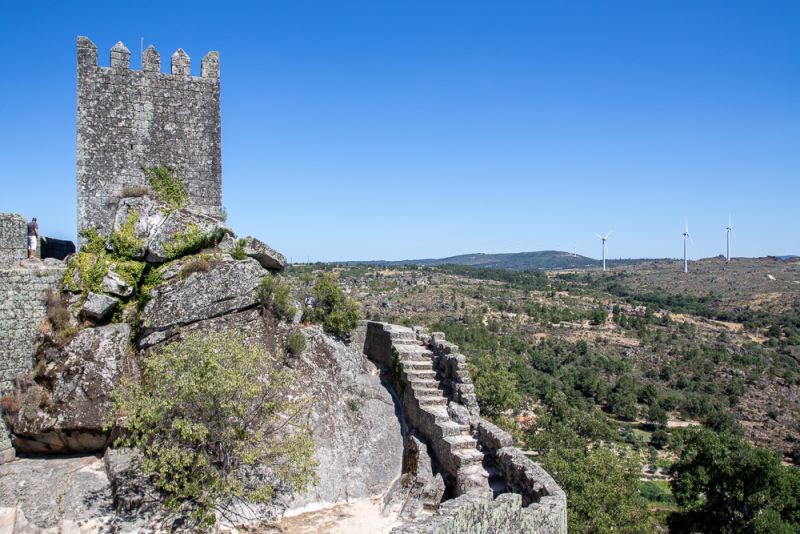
[604, 247]
[728, 232]
[685, 235]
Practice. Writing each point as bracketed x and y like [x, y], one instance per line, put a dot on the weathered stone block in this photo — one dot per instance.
[98, 306]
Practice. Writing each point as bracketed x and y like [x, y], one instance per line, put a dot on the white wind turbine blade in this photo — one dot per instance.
[734, 235]
[598, 235]
[608, 234]
[690, 240]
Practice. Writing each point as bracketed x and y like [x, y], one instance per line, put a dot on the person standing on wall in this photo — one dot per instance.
[33, 237]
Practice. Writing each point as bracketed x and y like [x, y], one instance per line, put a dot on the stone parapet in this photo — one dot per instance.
[13, 239]
[480, 513]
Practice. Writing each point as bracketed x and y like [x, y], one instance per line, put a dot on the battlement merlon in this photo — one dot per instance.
[151, 60]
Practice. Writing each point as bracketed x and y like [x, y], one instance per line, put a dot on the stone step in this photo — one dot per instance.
[418, 365]
[413, 353]
[404, 342]
[438, 413]
[467, 458]
[451, 428]
[402, 333]
[430, 392]
[421, 375]
[458, 443]
[432, 401]
[423, 383]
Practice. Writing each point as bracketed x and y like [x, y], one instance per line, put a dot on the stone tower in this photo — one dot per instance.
[129, 118]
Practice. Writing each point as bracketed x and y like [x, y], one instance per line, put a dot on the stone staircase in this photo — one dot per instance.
[426, 397]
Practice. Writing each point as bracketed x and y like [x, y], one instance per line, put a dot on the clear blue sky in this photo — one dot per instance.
[395, 130]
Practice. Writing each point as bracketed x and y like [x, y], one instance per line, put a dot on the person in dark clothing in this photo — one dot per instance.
[33, 237]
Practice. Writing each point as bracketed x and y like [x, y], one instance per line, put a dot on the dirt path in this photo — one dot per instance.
[358, 517]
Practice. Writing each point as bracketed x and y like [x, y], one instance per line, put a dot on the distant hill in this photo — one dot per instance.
[546, 260]
[787, 257]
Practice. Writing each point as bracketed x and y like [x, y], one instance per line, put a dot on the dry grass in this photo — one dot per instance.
[195, 266]
[135, 191]
[58, 318]
[10, 406]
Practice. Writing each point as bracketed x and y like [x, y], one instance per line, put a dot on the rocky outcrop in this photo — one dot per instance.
[355, 422]
[98, 305]
[264, 254]
[148, 212]
[178, 228]
[68, 495]
[69, 417]
[115, 285]
[227, 286]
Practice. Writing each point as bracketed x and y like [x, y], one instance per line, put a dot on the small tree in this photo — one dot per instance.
[275, 294]
[724, 484]
[206, 412]
[337, 312]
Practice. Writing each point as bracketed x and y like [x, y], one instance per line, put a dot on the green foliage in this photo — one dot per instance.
[276, 295]
[602, 488]
[622, 400]
[495, 384]
[95, 245]
[90, 269]
[168, 182]
[599, 316]
[189, 241]
[657, 415]
[296, 343]
[337, 312]
[723, 484]
[659, 439]
[238, 251]
[657, 493]
[124, 242]
[208, 411]
[397, 373]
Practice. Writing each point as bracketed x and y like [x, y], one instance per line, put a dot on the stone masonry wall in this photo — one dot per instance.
[130, 118]
[13, 239]
[22, 308]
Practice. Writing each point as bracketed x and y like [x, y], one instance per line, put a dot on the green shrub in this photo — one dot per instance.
[296, 343]
[337, 312]
[274, 294]
[397, 373]
[95, 243]
[208, 411]
[168, 182]
[238, 251]
[124, 242]
[189, 241]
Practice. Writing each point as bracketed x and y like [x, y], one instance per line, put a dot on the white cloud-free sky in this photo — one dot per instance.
[411, 129]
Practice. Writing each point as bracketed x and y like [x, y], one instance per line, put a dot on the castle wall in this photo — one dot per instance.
[129, 118]
[13, 239]
[22, 308]
[525, 500]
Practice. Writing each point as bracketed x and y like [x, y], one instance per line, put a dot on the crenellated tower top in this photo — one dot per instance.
[151, 60]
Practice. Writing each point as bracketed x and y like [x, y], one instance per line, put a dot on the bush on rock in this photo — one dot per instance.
[337, 312]
[207, 411]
